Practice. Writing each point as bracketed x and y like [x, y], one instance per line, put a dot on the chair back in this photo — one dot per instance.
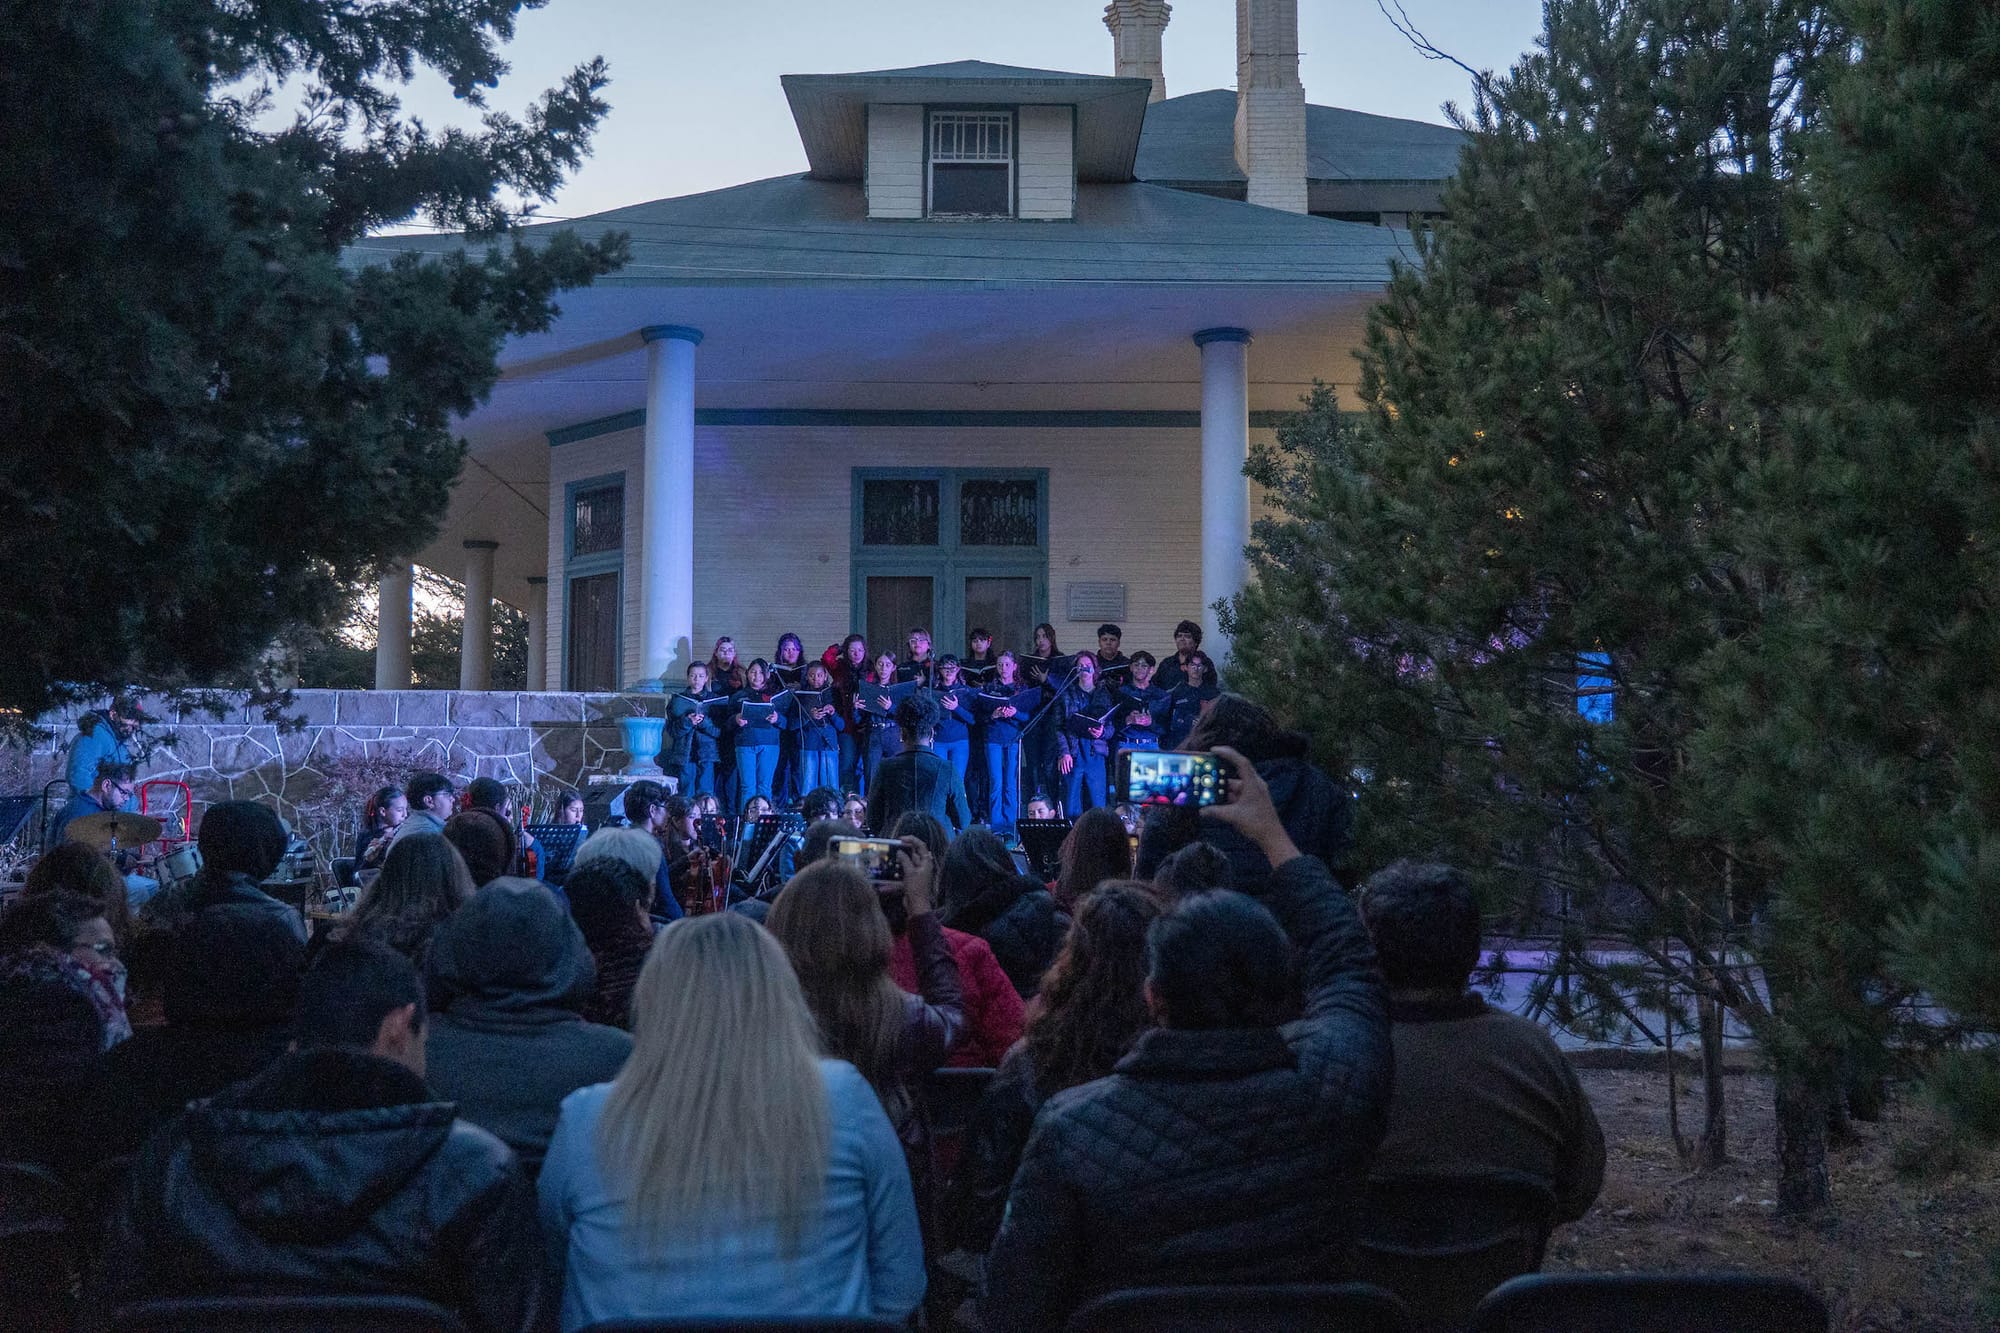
[749, 1325]
[1651, 1303]
[1442, 1241]
[288, 1314]
[37, 1249]
[1348, 1307]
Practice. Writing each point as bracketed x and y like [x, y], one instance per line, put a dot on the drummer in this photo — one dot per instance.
[111, 789]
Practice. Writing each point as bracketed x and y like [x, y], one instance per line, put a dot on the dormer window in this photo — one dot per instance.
[971, 164]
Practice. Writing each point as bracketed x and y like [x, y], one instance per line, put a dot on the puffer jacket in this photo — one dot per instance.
[993, 1012]
[1233, 1156]
[1020, 922]
[1315, 810]
[510, 1042]
[333, 1171]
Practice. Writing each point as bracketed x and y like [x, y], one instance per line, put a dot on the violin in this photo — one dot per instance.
[702, 886]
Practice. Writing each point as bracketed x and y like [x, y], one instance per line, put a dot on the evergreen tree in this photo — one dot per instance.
[1553, 434]
[1851, 738]
[214, 423]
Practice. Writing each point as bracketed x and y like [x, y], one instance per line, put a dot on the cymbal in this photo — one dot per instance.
[100, 830]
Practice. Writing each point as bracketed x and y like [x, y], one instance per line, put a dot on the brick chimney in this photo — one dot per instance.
[1136, 26]
[1270, 103]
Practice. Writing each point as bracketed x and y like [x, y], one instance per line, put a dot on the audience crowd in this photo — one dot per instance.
[546, 1100]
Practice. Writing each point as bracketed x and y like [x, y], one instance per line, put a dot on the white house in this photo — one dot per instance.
[995, 358]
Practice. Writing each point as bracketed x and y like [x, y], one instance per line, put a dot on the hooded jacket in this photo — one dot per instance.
[334, 1171]
[1314, 809]
[512, 975]
[96, 741]
[1020, 921]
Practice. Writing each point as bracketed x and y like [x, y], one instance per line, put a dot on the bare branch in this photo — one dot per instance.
[1406, 27]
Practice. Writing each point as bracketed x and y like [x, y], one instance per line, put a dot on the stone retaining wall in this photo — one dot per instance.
[353, 741]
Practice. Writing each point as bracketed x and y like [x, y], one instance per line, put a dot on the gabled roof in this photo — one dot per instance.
[832, 110]
[795, 230]
[1192, 140]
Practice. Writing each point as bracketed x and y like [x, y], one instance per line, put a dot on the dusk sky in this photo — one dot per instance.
[695, 101]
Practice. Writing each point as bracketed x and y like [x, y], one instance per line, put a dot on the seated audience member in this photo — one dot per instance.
[491, 794]
[241, 843]
[1095, 849]
[1316, 810]
[335, 1170]
[74, 868]
[69, 932]
[984, 894]
[231, 981]
[611, 901]
[1477, 1088]
[509, 1040]
[383, 814]
[655, 815]
[1093, 1007]
[433, 799]
[51, 1052]
[917, 779]
[817, 845]
[1195, 868]
[1284, 1066]
[730, 1170]
[832, 923]
[487, 843]
[423, 881]
[993, 1012]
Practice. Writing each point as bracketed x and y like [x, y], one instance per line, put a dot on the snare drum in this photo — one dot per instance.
[178, 866]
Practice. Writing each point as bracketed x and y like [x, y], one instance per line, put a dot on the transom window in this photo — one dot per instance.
[972, 164]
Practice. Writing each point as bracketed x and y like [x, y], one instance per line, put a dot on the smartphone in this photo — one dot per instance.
[881, 859]
[1167, 777]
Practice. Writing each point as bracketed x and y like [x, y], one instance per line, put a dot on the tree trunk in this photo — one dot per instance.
[1802, 1180]
[1713, 1147]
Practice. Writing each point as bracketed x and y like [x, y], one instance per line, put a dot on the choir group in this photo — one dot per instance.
[1044, 724]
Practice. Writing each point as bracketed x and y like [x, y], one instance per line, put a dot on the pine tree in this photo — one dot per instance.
[1554, 429]
[214, 422]
[1852, 738]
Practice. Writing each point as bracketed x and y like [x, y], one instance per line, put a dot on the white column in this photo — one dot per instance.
[392, 627]
[1225, 491]
[538, 633]
[666, 534]
[475, 654]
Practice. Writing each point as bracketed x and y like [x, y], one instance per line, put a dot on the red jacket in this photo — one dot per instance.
[993, 1011]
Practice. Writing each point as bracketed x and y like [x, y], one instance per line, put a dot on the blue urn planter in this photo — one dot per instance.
[642, 744]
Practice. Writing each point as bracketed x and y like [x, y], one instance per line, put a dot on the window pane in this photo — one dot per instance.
[999, 512]
[899, 513]
[970, 189]
[599, 524]
[896, 605]
[593, 649]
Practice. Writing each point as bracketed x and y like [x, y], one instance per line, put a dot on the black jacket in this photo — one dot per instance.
[334, 1171]
[1020, 921]
[514, 975]
[1210, 1156]
[917, 780]
[234, 892]
[1316, 811]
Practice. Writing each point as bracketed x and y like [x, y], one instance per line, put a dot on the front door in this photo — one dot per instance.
[950, 550]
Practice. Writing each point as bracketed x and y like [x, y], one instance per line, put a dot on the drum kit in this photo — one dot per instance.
[115, 831]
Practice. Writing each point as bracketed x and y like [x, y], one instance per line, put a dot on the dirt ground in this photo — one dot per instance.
[1901, 1250]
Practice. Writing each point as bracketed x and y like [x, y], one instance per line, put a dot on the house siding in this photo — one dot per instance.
[895, 178]
[1047, 163]
[774, 523]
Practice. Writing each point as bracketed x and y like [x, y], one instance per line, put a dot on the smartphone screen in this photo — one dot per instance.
[878, 858]
[1164, 777]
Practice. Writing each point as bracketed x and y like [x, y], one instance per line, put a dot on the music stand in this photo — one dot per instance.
[14, 812]
[1042, 839]
[558, 843]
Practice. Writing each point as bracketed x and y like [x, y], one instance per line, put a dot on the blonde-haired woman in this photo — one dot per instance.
[729, 1170]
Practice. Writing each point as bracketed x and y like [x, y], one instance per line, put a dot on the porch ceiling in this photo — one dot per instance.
[873, 347]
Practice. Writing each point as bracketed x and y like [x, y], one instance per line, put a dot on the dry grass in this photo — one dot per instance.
[1904, 1249]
